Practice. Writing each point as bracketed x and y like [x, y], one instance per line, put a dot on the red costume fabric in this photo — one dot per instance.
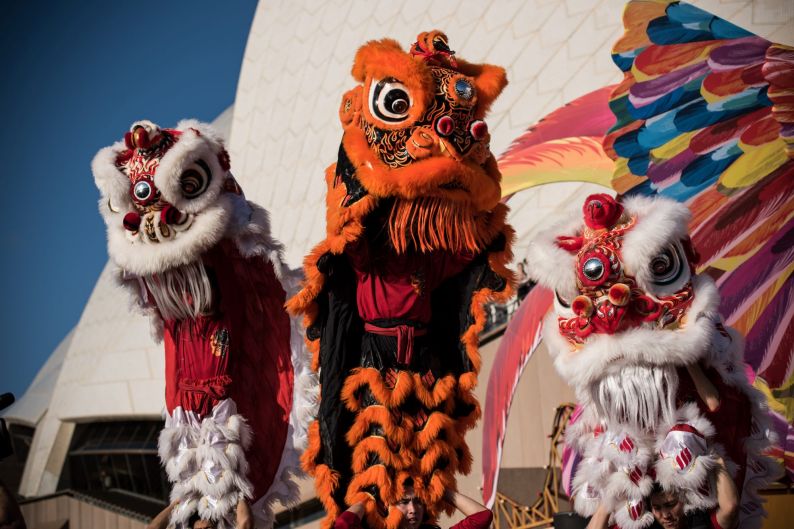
[399, 286]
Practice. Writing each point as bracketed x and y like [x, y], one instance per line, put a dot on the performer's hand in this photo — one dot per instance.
[245, 519]
[161, 520]
[358, 509]
[463, 503]
[706, 390]
[379, 505]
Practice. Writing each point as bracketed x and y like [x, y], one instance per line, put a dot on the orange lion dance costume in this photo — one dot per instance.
[393, 298]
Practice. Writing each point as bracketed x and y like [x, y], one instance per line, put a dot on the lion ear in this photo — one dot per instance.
[489, 80]
[350, 107]
[375, 52]
[569, 243]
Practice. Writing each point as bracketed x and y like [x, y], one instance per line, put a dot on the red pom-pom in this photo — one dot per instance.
[478, 129]
[601, 211]
[619, 294]
[132, 221]
[140, 138]
[445, 125]
[582, 306]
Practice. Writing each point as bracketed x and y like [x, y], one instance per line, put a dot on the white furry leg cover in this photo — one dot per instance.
[205, 461]
[686, 460]
[586, 437]
[612, 472]
[630, 453]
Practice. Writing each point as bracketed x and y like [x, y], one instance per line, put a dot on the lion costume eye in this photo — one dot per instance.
[195, 179]
[389, 100]
[666, 267]
[142, 190]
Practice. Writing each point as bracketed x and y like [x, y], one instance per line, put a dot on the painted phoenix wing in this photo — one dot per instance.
[705, 116]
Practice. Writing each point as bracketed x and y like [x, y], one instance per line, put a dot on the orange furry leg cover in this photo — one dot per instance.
[407, 425]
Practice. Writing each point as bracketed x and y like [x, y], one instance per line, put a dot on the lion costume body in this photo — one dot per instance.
[638, 336]
[199, 260]
[393, 300]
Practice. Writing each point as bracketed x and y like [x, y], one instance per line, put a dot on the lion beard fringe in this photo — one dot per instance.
[643, 396]
[429, 224]
[181, 293]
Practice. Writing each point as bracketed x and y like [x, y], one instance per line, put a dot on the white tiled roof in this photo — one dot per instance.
[31, 406]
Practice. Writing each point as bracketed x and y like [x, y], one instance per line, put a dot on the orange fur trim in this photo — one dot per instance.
[432, 223]
[442, 390]
[431, 490]
[325, 483]
[379, 446]
[498, 262]
[398, 433]
[376, 475]
[465, 423]
[437, 451]
[393, 520]
[309, 456]
[371, 377]
[465, 459]
[435, 423]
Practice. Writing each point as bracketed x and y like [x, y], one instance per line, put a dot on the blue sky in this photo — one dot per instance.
[73, 77]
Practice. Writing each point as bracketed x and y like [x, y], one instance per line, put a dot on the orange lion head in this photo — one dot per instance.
[414, 133]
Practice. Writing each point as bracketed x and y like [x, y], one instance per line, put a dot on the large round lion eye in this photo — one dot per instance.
[142, 190]
[389, 100]
[195, 179]
[593, 269]
[665, 267]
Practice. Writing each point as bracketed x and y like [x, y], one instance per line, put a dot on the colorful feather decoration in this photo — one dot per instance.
[705, 116]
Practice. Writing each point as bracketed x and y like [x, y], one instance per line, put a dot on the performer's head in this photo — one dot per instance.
[667, 508]
[412, 508]
[196, 522]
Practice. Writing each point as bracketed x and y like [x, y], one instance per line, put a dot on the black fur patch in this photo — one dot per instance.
[347, 173]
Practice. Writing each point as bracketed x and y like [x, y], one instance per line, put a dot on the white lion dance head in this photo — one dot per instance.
[198, 258]
[632, 322]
